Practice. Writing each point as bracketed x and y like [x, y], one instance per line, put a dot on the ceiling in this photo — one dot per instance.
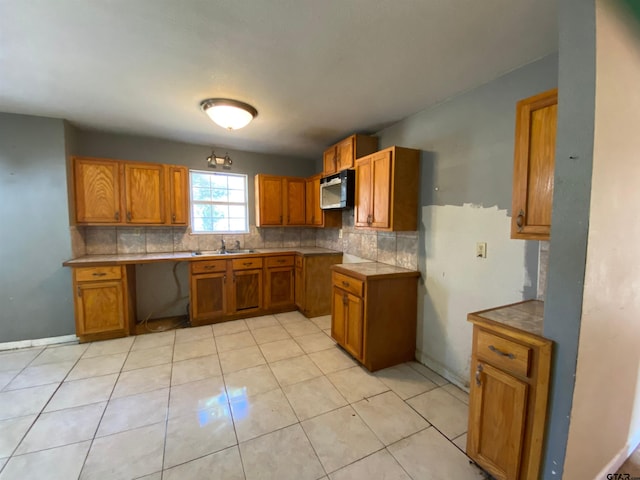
[316, 70]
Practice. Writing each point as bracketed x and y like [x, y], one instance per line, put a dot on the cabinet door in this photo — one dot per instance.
[144, 192]
[364, 200]
[329, 161]
[100, 308]
[339, 315]
[208, 299]
[497, 415]
[299, 286]
[294, 201]
[347, 321]
[269, 197]
[247, 290]
[381, 187]
[533, 168]
[279, 287]
[178, 195]
[97, 191]
[344, 153]
[313, 212]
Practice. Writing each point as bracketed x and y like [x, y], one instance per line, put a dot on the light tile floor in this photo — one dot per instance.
[265, 398]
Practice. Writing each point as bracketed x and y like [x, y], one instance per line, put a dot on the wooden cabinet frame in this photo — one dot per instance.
[343, 154]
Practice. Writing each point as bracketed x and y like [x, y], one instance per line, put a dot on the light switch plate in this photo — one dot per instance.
[481, 250]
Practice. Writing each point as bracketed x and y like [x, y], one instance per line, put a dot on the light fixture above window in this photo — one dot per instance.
[229, 114]
[213, 161]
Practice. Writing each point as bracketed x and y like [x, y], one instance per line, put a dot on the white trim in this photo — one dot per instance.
[616, 462]
[38, 342]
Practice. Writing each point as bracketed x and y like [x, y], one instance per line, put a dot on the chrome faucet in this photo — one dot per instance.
[237, 246]
[223, 247]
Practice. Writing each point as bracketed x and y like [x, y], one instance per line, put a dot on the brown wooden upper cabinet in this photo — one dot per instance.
[534, 160]
[387, 190]
[279, 200]
[343, 154]
[314, 215]
[124, 193]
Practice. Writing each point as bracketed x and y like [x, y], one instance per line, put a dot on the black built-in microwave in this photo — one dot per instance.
[338, 190]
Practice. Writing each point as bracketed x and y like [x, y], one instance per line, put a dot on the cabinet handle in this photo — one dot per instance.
[281, 260]
[128, 216]
[247, 264]
[520, 220]
[478, 373]
[98, 274]
[173, 217]
[346, 284]
[79, 292]
[209, 267]
[224, 279]
[280, 218]
[511, 356]
[117, 216]
[345, 299]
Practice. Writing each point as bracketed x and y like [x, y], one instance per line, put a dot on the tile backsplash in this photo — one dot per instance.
[394, 248]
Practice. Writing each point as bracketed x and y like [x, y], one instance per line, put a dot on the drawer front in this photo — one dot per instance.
[510, 356]
[299, 261]
[211, 266]
[247, 263]
[90, 274]
[282, 261]
[347, 283]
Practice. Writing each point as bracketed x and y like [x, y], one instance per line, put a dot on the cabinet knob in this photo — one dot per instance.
[98, 274]
[117, 216]
[346, 284]
[128, 216]
[520, 220]
[478, 374]
[173, 217]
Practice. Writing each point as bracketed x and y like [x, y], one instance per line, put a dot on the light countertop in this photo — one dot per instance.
[374, 269]
[527, 316]
[129, 258]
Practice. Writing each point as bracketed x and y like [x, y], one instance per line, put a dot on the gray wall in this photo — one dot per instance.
[35, 290]
[145, 149]
[572, 193]
[467, 146]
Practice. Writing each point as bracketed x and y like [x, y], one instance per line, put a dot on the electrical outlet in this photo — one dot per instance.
[481, 250]
[340, 233]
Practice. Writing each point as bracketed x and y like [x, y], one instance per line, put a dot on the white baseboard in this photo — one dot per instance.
[616, 462]
[442, 371]
[38, 342]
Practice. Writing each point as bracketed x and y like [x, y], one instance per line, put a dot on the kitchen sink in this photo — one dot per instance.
[208, 253]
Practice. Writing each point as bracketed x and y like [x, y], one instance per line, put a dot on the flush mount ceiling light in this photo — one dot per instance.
[229, 114]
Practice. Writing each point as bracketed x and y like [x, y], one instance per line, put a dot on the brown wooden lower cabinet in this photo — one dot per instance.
[508, 397]
[313, 290]
[104, 303]
[280, 282]
[374, 312]
[208, 291]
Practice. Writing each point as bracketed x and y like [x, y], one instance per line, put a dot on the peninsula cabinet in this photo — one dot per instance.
[374, 311]
[313, 283]
[533, 167]
[510, 365]
[116, 192]
[104, 302]
[342, 155]
[387, 190]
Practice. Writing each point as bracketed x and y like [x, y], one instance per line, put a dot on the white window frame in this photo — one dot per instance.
[193, 202]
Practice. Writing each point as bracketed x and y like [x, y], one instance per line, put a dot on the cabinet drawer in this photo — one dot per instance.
[211, 266]
[283, 261]
[347, 283]
[247, 263]
[503, 353]
[299, 261]
[88, 274]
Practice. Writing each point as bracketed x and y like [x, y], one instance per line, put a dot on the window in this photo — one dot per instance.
[218, 202]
